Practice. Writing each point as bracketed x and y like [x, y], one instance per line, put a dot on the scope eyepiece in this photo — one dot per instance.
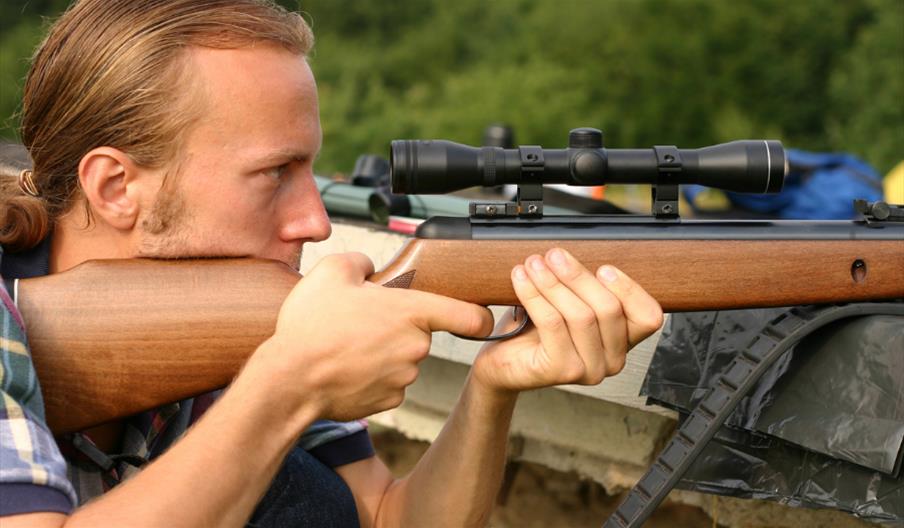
[439, 166]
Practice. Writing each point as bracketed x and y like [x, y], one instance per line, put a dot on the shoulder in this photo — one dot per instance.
[17, 375]
[32, 470]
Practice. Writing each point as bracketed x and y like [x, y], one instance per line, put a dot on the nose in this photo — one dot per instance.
[305, 218]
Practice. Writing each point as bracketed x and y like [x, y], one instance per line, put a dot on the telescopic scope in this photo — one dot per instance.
[439, 166]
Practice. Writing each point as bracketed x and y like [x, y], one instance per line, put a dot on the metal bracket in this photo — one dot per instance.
[530, 190]
[879, 212]
[665, 201]
[529, 200]
[665, 191]
[493, 209]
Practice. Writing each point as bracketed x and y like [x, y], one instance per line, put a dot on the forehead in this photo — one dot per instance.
[253, 100]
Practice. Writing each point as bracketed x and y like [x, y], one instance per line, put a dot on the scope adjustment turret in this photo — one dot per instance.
[581, 138]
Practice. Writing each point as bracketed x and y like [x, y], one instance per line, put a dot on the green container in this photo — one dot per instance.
[367, 202]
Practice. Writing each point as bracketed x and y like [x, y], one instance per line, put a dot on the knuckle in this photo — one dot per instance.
[574, 371]
[477, 321]
[596, 377]
[610, 309]
[583, 318]
[422, 348]
[345, 263]
[336, 262]
[395, 399]
[651, 320]
[656, 318]
[410, 376]
[615, 365]
[335, 259]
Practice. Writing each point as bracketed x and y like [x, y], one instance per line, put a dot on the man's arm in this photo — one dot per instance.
[204, 479]
[455, 482]
[582, 329]
[321, 362]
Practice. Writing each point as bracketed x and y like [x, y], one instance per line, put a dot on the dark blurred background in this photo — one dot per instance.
[821, 75]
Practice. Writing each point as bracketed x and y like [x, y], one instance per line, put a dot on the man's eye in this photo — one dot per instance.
[277, 173]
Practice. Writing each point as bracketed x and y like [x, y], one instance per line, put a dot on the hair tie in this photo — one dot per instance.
[27, 184]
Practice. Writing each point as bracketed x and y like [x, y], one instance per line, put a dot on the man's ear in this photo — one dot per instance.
[109, 180]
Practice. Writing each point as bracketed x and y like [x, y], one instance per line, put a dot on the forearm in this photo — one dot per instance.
[455, 483]
[218, 472]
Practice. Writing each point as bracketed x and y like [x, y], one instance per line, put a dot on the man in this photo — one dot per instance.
[182, 128]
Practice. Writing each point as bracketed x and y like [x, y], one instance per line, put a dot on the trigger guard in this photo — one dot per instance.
[506, 335]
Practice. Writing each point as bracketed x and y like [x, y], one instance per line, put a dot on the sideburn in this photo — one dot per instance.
[167, 212]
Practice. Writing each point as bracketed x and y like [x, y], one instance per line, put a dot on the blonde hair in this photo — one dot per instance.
[111, 73]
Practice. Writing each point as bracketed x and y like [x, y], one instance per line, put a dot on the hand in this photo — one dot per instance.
[352, 347]
[582, 325]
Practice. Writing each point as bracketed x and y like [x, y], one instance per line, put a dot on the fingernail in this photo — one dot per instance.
[607, 273]
[519, 274]
[537, 263]
[557, 258]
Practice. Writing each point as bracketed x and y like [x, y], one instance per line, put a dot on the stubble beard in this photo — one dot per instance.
[166, 233]
[165, 228]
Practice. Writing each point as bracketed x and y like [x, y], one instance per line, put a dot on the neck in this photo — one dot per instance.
[76, 241]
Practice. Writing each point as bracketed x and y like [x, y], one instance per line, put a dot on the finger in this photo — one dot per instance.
[642, 311]
[583, 323]
[352, 267]
[437, 313]
[549, 323]
[606, 307]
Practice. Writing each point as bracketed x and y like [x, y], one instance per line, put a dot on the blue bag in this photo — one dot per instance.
[818, 186]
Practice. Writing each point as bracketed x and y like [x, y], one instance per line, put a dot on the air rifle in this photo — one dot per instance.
[186, 327]
[685, 264]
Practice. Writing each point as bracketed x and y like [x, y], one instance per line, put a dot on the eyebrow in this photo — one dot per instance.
[279, 156]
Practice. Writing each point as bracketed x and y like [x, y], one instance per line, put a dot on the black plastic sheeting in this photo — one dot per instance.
[823, 428]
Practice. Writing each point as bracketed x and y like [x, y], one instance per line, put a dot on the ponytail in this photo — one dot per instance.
[24, 221]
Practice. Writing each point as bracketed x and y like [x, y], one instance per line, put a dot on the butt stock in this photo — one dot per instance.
[112, 338]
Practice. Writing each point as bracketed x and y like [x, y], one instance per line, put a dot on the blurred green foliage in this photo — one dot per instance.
[817, 74]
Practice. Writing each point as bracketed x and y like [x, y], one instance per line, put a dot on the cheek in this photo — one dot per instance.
[239, 223]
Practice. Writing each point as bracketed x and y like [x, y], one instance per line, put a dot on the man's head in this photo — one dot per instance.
[127, 98]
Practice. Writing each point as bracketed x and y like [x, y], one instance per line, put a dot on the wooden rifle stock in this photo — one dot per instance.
[113, 338]
[683, 275]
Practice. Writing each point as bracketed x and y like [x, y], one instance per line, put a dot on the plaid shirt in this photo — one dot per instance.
[31, 464]
[32, 470]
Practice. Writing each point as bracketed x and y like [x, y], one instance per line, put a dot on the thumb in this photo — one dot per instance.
[349, 267]
[437, 313]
